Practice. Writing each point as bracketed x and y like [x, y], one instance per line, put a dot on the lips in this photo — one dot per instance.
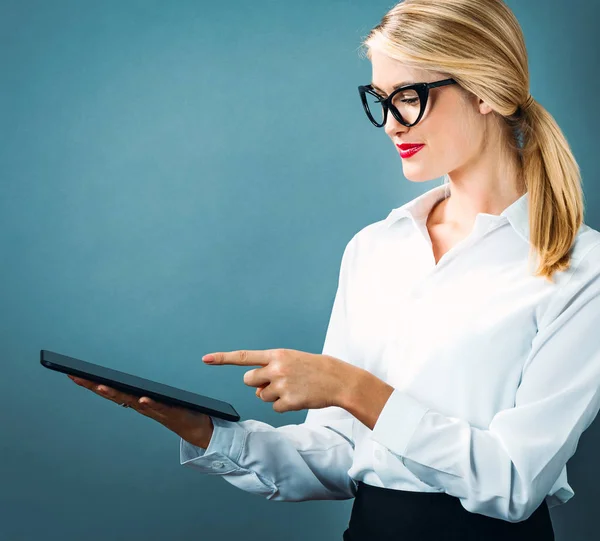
[408, 146]
[409, 149]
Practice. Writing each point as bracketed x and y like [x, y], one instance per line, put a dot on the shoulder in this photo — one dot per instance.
[581, 281]
[365, 244]
[369, 237]
[586, 250]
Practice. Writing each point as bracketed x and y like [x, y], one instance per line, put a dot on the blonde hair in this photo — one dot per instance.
[480, 44]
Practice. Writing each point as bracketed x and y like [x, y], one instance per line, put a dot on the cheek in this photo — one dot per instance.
[454, 139]
[454, 145]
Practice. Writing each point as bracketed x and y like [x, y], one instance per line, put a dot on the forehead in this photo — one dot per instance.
[389, 73]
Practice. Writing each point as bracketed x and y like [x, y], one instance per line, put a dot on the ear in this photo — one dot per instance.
[484, 108]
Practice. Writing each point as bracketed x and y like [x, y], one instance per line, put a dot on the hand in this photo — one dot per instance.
[193, 426]
[292, 379]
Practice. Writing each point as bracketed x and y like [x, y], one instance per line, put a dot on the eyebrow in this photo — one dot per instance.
[396, 86]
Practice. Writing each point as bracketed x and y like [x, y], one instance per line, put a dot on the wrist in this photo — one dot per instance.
[202, 439]
[352, 382]
[365, 396]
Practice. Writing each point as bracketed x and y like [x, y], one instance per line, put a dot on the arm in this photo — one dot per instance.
[506, 470]
[365, 396]
[296, 462]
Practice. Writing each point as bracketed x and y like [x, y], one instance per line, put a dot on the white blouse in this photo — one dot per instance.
[496, 373]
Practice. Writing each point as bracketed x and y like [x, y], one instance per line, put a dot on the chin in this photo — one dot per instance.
[415, 175]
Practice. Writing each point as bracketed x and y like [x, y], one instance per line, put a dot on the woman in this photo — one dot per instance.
[456, 379]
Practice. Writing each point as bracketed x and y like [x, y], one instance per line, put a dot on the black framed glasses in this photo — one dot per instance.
[406, 103]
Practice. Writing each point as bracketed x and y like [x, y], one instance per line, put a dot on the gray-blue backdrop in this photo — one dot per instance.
[182, 177]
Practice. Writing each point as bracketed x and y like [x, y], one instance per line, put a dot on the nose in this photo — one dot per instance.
[393, 127]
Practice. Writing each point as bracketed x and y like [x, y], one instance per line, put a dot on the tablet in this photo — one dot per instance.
[138, 386]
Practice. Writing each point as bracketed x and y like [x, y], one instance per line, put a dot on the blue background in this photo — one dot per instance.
[182, 177]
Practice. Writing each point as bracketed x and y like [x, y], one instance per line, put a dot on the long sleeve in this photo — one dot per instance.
[296, 462]
[506, 470]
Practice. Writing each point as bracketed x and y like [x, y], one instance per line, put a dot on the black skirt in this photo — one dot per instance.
[383, 514]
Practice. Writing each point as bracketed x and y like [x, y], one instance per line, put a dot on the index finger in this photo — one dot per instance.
[243, 357]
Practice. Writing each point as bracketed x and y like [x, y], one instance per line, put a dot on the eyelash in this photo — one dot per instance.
[410, 101]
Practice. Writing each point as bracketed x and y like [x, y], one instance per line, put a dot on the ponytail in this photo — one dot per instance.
[553, 181]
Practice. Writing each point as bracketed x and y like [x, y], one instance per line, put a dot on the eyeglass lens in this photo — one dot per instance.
[407, 102]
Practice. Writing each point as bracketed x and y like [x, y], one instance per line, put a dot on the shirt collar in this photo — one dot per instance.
[417, 209]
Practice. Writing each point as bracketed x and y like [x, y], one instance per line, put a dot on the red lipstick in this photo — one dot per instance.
[409, 149]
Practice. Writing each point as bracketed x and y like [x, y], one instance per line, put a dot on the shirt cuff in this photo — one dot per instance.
[398, 421]
[223, 451]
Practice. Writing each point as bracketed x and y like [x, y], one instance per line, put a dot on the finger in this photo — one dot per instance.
[144, 405]
[268, 395]
[106, 391]
[99, 389]
[83, 382]
[244, 357]
[157, 408]
[257, 377]
[114, 395]
[95, 386]
[147, 407]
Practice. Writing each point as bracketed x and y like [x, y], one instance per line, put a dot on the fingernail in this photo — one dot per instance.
[209, 359]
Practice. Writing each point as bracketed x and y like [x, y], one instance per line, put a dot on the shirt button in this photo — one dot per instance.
[218, 464]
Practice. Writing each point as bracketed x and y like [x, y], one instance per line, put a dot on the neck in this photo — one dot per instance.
[488, 183]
